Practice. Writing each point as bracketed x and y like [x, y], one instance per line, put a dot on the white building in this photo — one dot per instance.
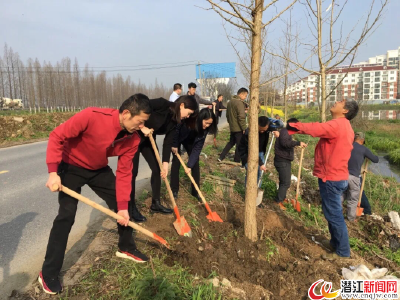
[364, 82]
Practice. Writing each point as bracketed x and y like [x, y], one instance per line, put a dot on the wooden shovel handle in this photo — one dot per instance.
[171, 196]
[194, 182]
[299, 173]
[107, 211]
[363, 181]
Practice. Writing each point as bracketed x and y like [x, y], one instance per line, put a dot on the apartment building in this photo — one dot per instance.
[361, 82]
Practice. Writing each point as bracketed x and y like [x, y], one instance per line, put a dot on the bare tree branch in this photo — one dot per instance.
[278, 15]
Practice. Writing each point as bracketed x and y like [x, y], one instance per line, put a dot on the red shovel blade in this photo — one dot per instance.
[359, 211]
[293, 203]
[161, 240]
[298, 207]
[213, 216]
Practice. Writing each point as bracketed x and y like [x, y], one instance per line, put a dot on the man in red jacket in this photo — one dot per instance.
[331, 158]
[77, 154]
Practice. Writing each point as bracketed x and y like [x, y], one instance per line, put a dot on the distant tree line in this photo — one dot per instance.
[65, 84]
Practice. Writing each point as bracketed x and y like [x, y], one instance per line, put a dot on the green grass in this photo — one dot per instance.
[112, 278]
[382, 193]
[373, 250]
[394, 156]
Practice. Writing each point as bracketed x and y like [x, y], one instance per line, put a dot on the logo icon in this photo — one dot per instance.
[325, 291]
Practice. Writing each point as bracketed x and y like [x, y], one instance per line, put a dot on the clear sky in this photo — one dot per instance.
[144, 32]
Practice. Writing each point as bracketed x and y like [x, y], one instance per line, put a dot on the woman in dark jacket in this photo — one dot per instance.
[163, 120]
[193, 142]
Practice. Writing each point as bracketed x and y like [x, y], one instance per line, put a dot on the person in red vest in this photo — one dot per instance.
[77, 154]
[331, 158]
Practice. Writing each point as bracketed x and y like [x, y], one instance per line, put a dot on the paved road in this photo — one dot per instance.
[28, 210]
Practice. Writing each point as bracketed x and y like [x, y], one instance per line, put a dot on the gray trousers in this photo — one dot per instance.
[351, 195]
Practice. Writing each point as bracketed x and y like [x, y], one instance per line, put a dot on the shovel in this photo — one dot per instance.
[181, 225]
[110, 213]
[360, 210]
[295, 202]
[212, 215]
[260, 192]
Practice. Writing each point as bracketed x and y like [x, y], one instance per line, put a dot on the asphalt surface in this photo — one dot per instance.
[28, 209]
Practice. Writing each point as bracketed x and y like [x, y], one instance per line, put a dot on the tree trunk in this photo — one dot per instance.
[322, 66]
[250, 222]
[323, 95]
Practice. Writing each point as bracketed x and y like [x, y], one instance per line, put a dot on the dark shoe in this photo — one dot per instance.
[50, 286]
[136, 215]
[333, 256]
[134, 255]
[327, 245]
[175, 194]
[158, 208]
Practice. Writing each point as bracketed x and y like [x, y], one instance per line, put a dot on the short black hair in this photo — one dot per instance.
[192, 85]
[291, 120]
[242, 90]
[352, 107]
[263, 121]
[136, 104]
[177, 86]
[219, 95]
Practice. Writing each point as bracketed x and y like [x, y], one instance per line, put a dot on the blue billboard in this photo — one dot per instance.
[221, 70]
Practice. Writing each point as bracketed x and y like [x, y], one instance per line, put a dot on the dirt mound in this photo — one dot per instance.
[30, 126]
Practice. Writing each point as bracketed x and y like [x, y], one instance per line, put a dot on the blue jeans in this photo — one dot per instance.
[331, 192]
[261, 155]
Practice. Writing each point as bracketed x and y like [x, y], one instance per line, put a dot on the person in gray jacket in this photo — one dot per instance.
[192, 92]
[358, 155]
[236, 117]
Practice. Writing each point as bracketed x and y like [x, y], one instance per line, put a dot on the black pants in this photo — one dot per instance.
[147, 151]
[175, 171]
[365, 203]
[234, 139]
[283, 167]
[102, 182]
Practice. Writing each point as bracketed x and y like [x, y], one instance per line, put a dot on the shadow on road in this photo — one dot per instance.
[10, 236]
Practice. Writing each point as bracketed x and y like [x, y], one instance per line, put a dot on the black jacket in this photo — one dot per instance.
[244, 145]
[358, 154]
[161, 121]
[284, 146]
[219, 106]
[184, 135]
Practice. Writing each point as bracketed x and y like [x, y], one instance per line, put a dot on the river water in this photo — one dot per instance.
[383, 167]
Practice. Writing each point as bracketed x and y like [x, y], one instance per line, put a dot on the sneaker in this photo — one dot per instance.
[280, 205]
[219, 160]
[175, 194]
[50, 286]
[333, 256]
[134, 255]
[327, 245]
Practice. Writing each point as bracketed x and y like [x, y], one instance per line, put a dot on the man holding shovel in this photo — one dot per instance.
[332, 154]
[77, 154]
[263, 137]
[358, 155]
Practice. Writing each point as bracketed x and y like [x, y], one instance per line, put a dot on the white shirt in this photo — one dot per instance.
[173, 97]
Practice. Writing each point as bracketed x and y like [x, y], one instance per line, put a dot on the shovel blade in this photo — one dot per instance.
[259, 198]
[359, 211]
[293, 201]
[182, 227]
[213, 216]
[298, 207]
